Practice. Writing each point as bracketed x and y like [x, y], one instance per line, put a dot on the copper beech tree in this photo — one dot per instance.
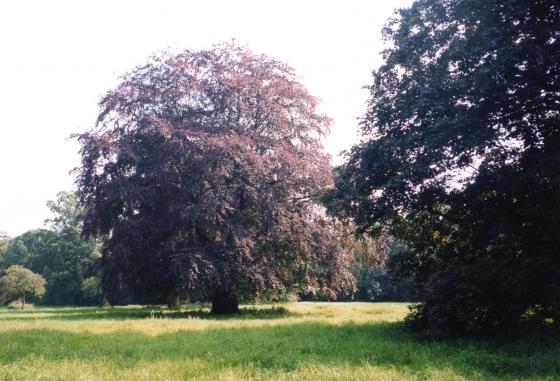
[201, 173]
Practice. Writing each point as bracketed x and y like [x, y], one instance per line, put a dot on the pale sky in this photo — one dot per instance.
[58, 57]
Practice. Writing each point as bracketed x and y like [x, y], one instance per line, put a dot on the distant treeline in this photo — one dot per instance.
[59, 254]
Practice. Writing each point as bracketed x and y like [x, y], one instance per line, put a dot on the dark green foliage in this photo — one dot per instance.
[60, 255]
[381, 286]
[63, 259]
[461, 162]
[377, 283]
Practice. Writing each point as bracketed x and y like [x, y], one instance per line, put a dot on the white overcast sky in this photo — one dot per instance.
[57, 59]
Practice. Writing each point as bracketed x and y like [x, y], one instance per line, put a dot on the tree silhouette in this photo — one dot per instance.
[461, 161]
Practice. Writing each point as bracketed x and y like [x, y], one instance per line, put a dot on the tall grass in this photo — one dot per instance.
[299, 341]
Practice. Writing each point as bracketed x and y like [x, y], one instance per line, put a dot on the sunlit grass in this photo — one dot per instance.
[299, 341]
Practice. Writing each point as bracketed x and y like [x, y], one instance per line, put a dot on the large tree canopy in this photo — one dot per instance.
[461, 160]
[201, 172]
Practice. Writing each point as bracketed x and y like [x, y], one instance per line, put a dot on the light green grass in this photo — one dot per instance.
[298, 341]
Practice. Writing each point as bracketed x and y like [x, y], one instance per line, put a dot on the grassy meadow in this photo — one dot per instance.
[294, 341]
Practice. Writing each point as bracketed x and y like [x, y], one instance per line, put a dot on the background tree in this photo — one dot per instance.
[202, 172]
[460, 161]
[4, 239]
[30, 250]
[72, 273]
[19, 281]
[376, 282]
[60, 255]
[67, 213]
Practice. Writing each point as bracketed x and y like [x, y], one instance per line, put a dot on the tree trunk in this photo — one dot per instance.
[224, 302]
[174, 300]
[23, 301]
[104, 300]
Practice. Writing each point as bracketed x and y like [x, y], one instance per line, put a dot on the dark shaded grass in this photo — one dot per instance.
[149, 312]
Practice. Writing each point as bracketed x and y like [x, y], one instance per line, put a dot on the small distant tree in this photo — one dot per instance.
[19, 281]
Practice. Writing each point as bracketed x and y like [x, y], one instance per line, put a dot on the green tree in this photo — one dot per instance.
[4, 239]
[379, 283]
[30, 250]
[67, 214]
[18, 282]
[461, 161]
[60, 255]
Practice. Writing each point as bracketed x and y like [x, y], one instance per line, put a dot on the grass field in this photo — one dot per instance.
[297, 341]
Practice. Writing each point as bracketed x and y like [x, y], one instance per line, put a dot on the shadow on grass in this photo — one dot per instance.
[287, 347]
[148, 312]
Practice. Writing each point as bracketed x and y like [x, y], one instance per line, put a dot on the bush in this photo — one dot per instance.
[16, 305]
